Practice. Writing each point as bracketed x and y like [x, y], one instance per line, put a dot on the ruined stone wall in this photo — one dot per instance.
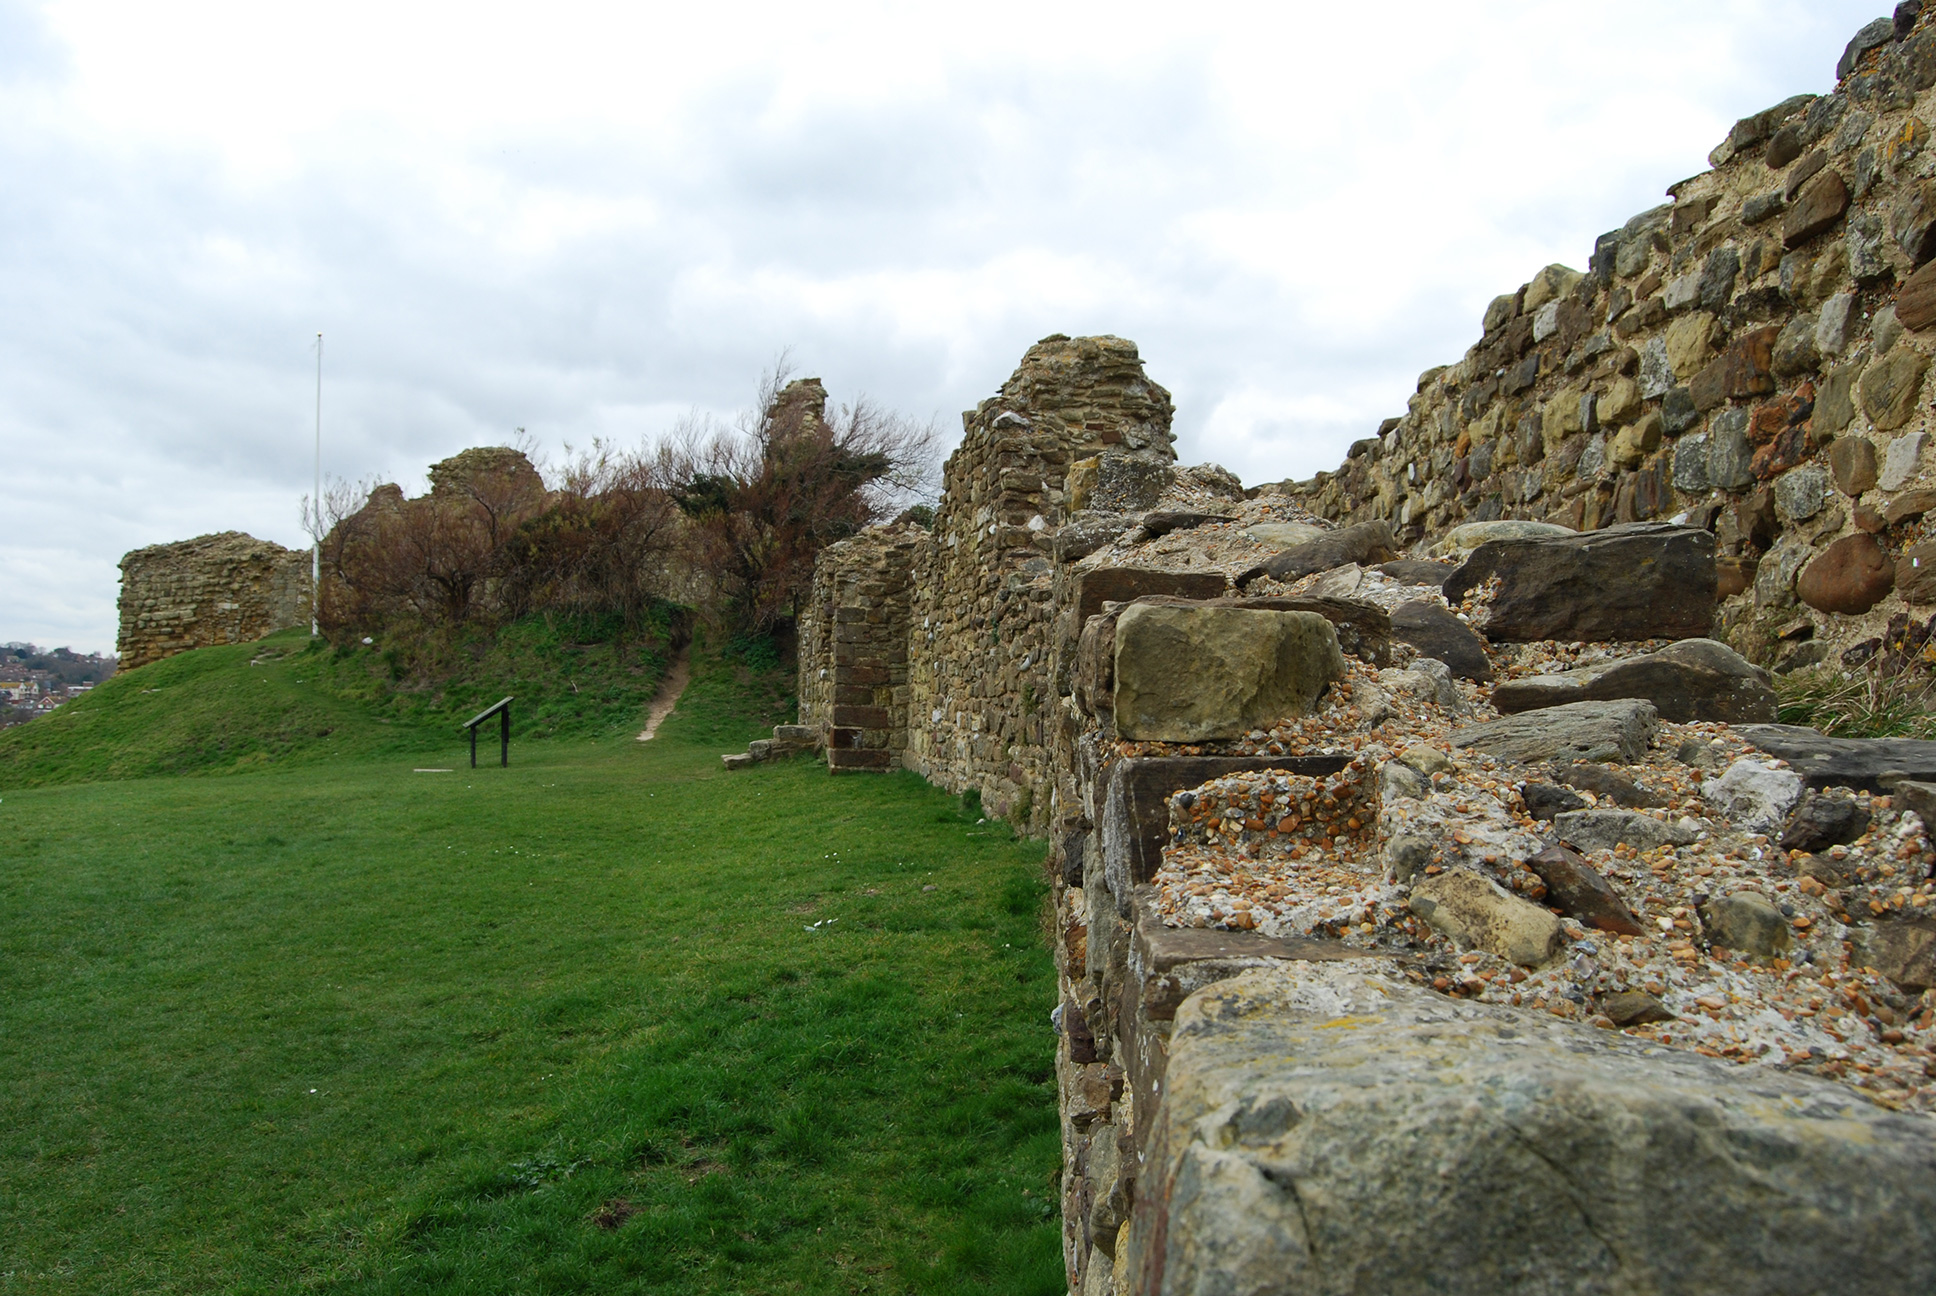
[1753, 355]
[214, 589]
[980, 685]
[853, 649]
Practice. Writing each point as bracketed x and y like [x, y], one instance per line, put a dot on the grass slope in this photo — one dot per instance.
[288, 699]
[611, 1020]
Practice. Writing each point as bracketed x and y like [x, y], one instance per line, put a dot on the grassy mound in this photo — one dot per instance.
[288, 699]
[215, 710]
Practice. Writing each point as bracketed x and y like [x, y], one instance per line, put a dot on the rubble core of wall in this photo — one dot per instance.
[214, 589]
[1752, 356]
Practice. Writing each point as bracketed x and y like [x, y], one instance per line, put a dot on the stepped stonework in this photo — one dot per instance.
[214, 589]
[1438, 906]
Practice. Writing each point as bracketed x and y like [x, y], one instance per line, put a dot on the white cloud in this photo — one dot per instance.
[588, 219]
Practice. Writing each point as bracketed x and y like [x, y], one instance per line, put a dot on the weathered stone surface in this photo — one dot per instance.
[1818, 206]
[1916, 301]
[1695, 679]
[1188, 674]
[1801, 493]
[1835, 401]
[1327, 1129]
[1902, 461]
[1690, 464]
[1477, 912]
[1579, 731]
[1576, 888]
[1366, 543]
[1909, 506]
[1851, 576]
[1866, 764]
[1417, 571]
[214, 589]
[1462, 540]
[1642, 581]
[1118, 481]
[1428, 626]
[1754, 794]
[1364, 629]
[1873, 35]
[1824, 819]
[1916, 575]
[1285, 535]
[1743, 371]
[1890, 387]
[1122, 584]
[1902, 949]
[1634, 1008]
[1089, 531]
[1748, 923]
[1544, 800]
[1853, 461]
[1606, 783]
[1598, 830]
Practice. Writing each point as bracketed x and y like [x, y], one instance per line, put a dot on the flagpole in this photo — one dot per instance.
[316, 523]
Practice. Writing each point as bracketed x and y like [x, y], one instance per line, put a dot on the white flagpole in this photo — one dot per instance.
[316, 524]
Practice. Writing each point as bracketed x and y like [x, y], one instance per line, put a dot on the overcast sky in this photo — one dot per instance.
[589, 219]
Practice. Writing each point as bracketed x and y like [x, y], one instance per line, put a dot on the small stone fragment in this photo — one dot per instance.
[1476, 911]
[1754, 794]
[1634, 1008]
[1576, 888]
[1544, 800]
[1824, 819]
[1747, 922]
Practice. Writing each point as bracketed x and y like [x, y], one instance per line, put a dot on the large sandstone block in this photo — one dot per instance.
[1192, 674]
[1646, 580]
[1695, 679]
[1326, 1128]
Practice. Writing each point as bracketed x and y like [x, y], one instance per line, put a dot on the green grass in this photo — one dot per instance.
[1861, 704]
[611, 1020]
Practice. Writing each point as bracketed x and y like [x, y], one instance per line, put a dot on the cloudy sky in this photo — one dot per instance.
[590, 219]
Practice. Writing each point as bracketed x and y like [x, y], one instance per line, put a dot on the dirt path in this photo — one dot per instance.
[668, 696]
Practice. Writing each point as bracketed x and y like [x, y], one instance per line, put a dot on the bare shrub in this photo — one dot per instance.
[766, 496]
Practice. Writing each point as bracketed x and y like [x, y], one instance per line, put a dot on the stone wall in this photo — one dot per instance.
[853, 649]
[214, 589]
[978, 663]
[1752, 356]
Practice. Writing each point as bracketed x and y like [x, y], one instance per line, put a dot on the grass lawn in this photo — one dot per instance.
[611, 1020]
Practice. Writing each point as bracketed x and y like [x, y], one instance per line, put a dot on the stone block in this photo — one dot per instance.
[1122, 584]
[1853, 462]
[1618, 731]
[1817, 207]
[1695, 679]
[1367, 542]
[1890, 387]
[1329, 1128]
[1480, 914]
[1640, 581]
[1865, 764]
[1192, 674]
[1902, 461]
[1849, 577]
